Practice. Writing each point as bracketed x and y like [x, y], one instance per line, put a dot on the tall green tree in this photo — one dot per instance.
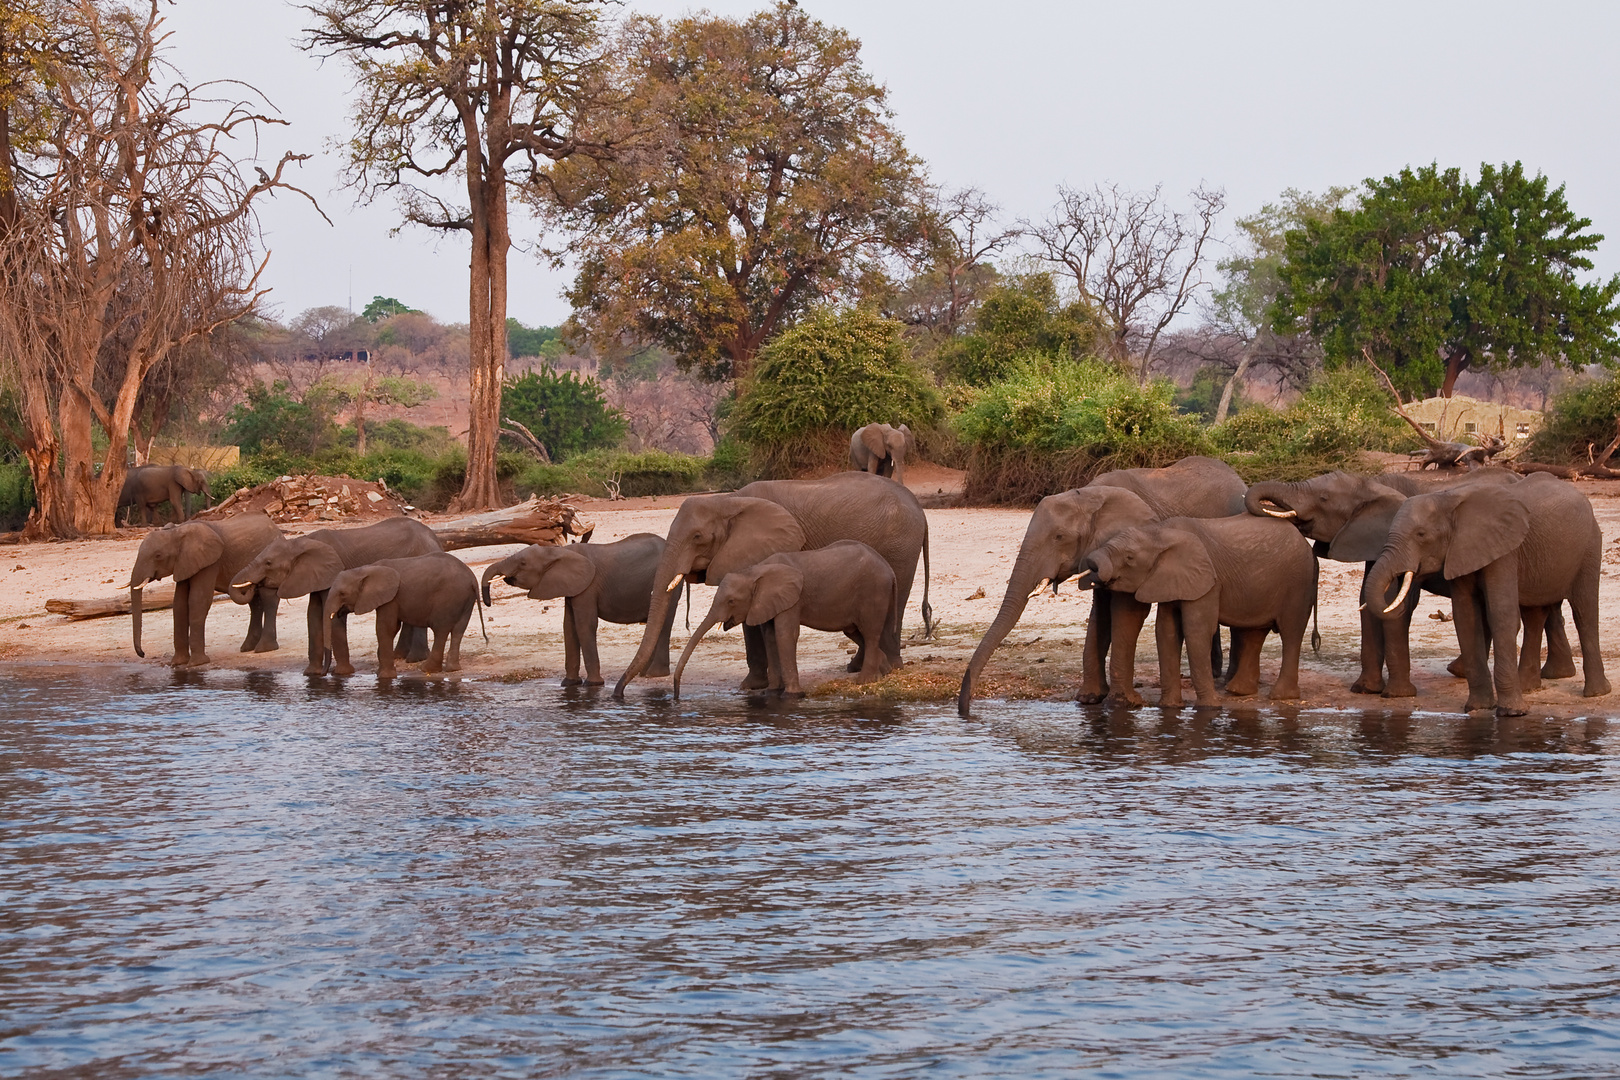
[777, 180]
[1433, 274]
[483, 88]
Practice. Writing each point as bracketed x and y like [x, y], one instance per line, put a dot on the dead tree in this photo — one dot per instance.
[1440, 454]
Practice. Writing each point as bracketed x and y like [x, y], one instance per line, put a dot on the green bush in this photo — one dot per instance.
[649, 472]
[1053, 425]
[1019, 320]
[1579, 420]
[272, 417]
[815, 384]
[1341, 414]
[16, 495]
[567, 414]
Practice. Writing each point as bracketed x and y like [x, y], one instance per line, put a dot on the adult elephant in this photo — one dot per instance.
[146, 486]
[306, 565]
[1065, 527]
[713, 535]
[1349, 515]
[882, 450]
[1510, 553]
[204, 558]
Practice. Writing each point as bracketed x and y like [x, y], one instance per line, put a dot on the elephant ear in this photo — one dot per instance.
[569, 574]
[872, 438]
[1183, 571]
[756, 529]
[196, 547]
[1117, 510]
[1487, 523]
[1363, 536]
[775, 590]
[312, 570]
[378, 585]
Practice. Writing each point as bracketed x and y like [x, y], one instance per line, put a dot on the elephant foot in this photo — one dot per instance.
[265, 646]
[343, 669]
[1458, 668]
[315, 669]
[1210, 702]
[1242, 689]
[793, 693]
[754, 680]
[430, 668]
[654, 671]
[1598, 687]
[386, 672]
[867, 677]
[1478, 704]
[572, 680]
[852, 666]
[1367, 686]
[1561, 668]
[1127, 697]
[594, 680]
[1530, 683]
[1511, 710]
[179, 662]
[1284, 693]
[197, 660]
[1171, 701]
[1091, 697]
[1395, 689]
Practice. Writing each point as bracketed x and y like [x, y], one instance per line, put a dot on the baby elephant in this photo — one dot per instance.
[436, 591]
[1252, 574]
[842, 587]
[613, 582]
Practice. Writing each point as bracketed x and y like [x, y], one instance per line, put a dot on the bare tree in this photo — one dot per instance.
[478, 87]
[129, 236]
[963, 235]
[1135, 258]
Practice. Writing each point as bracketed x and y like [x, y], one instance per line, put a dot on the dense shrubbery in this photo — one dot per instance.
[1579, 421]
[649, 472]
[1020, 318]
[1343, 413]
[566, 413]
[819, 381]
[16, 495]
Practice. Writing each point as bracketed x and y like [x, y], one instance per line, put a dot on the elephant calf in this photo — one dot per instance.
[881, 449]
[612, 582]
[436, 591]
[844, 587]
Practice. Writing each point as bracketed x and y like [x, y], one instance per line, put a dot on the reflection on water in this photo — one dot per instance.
[230, 874]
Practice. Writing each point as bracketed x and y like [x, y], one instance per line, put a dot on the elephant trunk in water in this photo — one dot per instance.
[139, 576]
[1019, 587]
[703, 628]
[676, 562]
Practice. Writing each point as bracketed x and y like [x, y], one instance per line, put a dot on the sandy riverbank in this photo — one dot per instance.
[971, 549]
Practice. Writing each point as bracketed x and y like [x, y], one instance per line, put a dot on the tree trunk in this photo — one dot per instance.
[1456, 364]
[1237, 377]
[487, 337]
[360, 419]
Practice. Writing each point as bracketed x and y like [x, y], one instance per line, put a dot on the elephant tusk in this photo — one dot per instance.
[1045, 581]
[1400, 597]
[240, 584]
[676, 582]
[1280, 513]
[1363, 606]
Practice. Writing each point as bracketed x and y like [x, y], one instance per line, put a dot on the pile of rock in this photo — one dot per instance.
[297, 499]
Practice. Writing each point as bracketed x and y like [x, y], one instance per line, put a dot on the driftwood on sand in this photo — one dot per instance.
[153, 598]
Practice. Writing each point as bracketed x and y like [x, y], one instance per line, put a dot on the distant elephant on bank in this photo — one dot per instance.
[203, 557]
[612, 582]
[146, 486]
[883, 450]
[1252, 574]
[300, 565]
[1348, 516]
[844, 587]
[1065, 527]
[437, 591]
[712, 535]
[1510, 553]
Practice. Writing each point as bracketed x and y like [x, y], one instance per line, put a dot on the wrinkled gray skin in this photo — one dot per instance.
[882, 450]
[203, 557]
[844, 587]
[146, 486]
[1252, 574]
[305, 565]
[611, 582]
[713, 535]
[1349, 517]
[1510, 553]
[436, 591]
[1065, 527]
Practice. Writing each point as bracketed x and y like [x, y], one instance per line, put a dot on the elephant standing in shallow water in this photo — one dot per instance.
[435, 591]
[203, 557]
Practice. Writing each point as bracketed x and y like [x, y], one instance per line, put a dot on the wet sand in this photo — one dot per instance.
[971, 549]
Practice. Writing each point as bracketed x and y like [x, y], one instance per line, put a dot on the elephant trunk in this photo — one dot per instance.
[1274, 492]
[1381, 579]
[329, 610]
[491, 572]
[676, 561]
[1019, 586]
[135, 617]
[686, 653]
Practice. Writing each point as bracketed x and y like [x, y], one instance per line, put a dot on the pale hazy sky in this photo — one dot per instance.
[1016, 97]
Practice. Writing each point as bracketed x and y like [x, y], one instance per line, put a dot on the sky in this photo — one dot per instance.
[1019, 96]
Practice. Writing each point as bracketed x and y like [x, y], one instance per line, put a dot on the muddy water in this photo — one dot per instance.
[253, 875]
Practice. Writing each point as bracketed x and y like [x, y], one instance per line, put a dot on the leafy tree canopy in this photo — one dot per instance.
[568, 414]
[272, 416]
[1432, 274]
[776, 180]
[543, 341]
[381, 307]
[1020, 317]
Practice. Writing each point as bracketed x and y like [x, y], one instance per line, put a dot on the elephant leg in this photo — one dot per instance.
[1286, 688]
[1583, 604]
[571, 645]
[1093, 680]
[1167, 637]
[201, 600]
[1532, 619]
[773, 658]
[758, 677]
[413, 643]
[877, 662]
[269, 602]
[182, 623]
[255, 630]
[1200, 622]
[1127, 616]
[177, 500]
[318, 657]
[785, 638]
[585, 634]
[1502, 606]
[1398, 645]
[1371, 679]
[1560, 658]
[1469, 622]
[387, 630]
[1246, 647]
[435, 661]
[658, 666]
[340, 646]
[452, 658]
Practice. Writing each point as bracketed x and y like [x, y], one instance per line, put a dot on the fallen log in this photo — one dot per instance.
[532, 522]
[153, 598]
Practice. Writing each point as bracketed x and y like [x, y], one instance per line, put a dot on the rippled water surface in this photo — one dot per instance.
[244, 875]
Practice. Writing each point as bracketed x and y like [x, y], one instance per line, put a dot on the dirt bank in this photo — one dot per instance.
[972, 551]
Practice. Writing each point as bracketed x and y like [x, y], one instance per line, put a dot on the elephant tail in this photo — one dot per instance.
[1316, 607]
[927, 608]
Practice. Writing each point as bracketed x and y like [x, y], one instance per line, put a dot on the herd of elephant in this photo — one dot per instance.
[840, 554]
